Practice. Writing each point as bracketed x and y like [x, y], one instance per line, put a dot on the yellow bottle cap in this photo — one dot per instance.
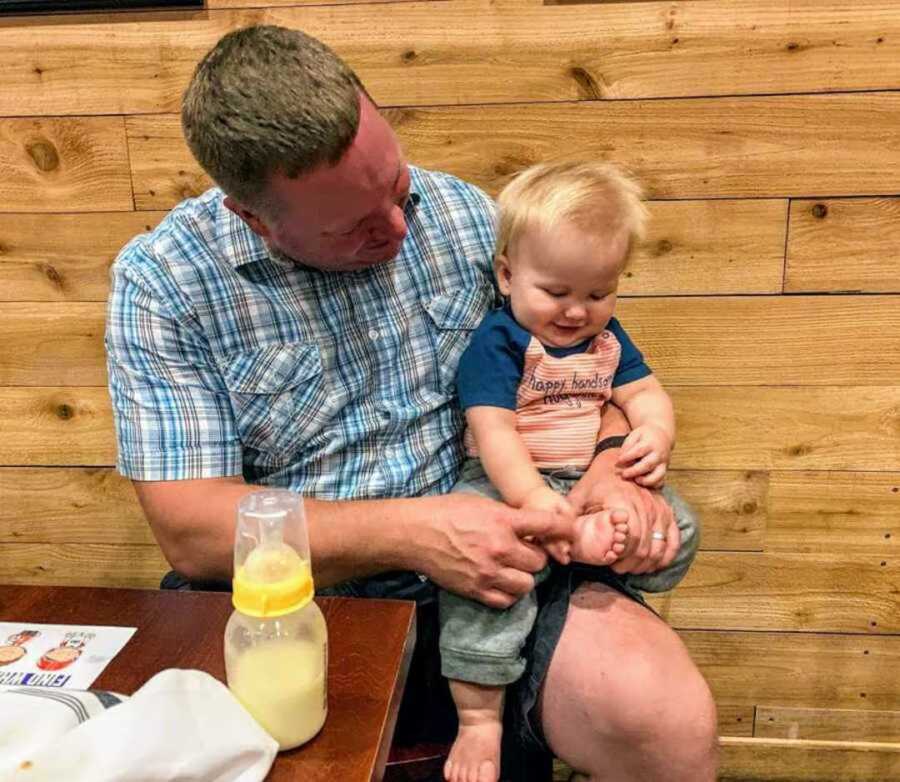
[272, 582]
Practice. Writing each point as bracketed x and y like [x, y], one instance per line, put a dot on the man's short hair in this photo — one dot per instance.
[267, 99]
[595, 197]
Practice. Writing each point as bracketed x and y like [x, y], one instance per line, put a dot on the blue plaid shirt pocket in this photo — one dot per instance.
[279, 395]
[453, 317]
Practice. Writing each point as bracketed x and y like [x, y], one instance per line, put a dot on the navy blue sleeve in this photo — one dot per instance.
[631, 363]
[490, 369]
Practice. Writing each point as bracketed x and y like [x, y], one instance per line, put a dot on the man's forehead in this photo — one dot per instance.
[369, 168]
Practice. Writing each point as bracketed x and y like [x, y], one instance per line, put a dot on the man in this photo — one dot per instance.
[301, 328]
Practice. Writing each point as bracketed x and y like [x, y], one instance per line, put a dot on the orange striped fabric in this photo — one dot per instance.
[559, 400]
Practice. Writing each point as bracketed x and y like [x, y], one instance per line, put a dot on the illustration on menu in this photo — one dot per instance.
[39, 655]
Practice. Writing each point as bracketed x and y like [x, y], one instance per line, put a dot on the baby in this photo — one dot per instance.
[533, 382]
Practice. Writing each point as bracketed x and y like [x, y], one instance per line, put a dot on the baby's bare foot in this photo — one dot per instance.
[475, 755]
[599, 540]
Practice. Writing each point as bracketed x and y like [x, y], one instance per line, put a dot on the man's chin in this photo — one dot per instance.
[378, 255]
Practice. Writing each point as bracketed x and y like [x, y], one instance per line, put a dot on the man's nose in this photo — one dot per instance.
[393, 226]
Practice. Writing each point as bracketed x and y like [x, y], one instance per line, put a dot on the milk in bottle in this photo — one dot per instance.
[276, 646]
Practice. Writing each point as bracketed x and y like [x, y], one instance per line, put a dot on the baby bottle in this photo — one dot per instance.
[276, 645]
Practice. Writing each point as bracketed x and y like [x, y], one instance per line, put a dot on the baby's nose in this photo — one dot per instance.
[575, 312]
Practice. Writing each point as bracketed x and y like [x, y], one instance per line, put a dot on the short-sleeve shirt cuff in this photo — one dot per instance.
[631, 374]
[185, 463]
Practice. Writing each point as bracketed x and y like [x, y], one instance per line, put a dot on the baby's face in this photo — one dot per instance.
[562, 283]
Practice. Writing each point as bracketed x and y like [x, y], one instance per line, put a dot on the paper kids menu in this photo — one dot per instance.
[70, 656]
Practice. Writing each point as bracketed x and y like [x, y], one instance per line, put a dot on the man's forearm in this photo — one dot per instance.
[612, 422]
[357, 538]
[194, 523]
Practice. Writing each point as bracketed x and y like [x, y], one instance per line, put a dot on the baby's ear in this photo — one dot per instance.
[504, 273]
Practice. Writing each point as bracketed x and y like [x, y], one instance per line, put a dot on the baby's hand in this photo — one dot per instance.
[544, 498]
[645, 455]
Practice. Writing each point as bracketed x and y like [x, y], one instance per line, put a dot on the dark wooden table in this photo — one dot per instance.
[370, 647]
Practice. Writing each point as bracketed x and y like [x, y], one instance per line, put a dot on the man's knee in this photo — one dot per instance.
[664, 730]
[676, 733]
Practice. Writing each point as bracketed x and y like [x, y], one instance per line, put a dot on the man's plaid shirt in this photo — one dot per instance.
[225, 360]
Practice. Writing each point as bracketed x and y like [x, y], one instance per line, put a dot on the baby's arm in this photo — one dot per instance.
[505, 457]
[648, 447]
[508, 464]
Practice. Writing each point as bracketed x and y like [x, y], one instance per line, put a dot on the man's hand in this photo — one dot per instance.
[479, 548]
[644, 457]
[600, 488]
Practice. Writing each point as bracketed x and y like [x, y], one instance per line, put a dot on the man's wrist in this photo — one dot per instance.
[606, 443]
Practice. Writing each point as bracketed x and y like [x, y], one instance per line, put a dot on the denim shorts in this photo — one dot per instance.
[427, 712]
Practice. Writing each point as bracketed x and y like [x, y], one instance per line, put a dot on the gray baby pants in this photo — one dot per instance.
[484, 645]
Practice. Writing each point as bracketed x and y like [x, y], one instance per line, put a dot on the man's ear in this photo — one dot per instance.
[504, 273]
[253, 220]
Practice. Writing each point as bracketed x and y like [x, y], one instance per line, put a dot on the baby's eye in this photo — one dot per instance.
[598, 296]
[554, 294]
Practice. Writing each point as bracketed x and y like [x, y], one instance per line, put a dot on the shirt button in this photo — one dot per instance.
[373, 334]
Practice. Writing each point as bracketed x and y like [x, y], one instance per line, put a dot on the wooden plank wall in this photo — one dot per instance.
[767, 296]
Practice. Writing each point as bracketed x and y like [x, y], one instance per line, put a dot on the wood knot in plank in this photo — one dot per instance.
[587, 84]
[819, 211]
[52, 274]
[670, 17]
[65, 412]
[409, 56]
[748, 508]
[398, 117]
[44, 155]
[509, 165]
[663, 246]
[800, 450]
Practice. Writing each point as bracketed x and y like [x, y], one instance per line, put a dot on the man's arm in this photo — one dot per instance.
[603, 487]
[469, 545]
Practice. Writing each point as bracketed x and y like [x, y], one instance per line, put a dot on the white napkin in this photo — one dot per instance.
[181, 725]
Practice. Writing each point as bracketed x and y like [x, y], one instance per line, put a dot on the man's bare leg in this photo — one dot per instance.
[475, 754]
[622, 701]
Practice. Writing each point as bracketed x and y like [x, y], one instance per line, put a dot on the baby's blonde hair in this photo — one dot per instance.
[595, 197]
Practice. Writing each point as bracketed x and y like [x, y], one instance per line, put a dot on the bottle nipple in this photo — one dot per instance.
[271, 577]
[271, 562]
